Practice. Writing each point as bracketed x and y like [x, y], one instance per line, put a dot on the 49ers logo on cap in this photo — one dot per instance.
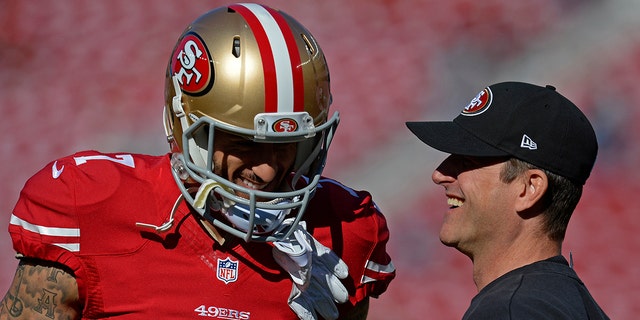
[285, 125]
[192, 64]
[479, 104]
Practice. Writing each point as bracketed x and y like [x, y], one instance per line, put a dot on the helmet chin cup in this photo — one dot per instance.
[263, 221]
[215, 199]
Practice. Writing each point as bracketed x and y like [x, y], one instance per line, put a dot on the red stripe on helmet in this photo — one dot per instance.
[294, 56]
[268, 63]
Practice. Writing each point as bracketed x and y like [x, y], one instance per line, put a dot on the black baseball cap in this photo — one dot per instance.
[532, 123]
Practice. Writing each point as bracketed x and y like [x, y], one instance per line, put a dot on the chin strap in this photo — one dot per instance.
[213, 232]
[200, 199]
[167, 224]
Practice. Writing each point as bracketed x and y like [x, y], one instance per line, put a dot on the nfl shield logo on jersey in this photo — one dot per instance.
[227, 270]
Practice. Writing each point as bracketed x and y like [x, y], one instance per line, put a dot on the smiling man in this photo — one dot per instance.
[520, 155]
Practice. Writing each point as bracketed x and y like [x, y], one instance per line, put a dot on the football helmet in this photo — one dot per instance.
[255, 72]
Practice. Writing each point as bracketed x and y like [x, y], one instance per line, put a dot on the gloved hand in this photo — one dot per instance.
[316, 272]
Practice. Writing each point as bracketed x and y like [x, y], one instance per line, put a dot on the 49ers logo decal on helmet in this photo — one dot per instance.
[285, 125]
[479, 104]
[192, 64]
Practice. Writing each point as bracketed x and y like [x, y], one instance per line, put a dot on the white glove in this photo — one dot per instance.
[316, 272]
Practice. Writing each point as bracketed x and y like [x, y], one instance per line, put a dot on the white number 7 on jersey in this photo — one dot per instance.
[124, 159]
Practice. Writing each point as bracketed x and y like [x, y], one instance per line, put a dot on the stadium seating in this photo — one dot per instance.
[90, 75]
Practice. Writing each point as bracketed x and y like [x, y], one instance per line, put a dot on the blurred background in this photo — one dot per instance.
[78, 75]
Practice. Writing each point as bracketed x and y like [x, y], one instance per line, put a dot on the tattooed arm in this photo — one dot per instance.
[41, 290]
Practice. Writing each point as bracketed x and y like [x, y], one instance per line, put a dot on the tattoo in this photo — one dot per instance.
[15, 309]
[41, 290]
[52, 275]
[47, 303]
[11, 303]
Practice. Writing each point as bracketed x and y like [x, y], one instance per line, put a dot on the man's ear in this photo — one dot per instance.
[534, 185]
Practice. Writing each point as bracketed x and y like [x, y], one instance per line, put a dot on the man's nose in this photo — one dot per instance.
[266, 166]
[438, 177]
[266, 171]
[444, 172]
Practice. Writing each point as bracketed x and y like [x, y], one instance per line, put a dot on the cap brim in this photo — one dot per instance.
[449, 137]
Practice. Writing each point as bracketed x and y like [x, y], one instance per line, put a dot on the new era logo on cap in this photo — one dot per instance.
[503, 117]
[528, 143]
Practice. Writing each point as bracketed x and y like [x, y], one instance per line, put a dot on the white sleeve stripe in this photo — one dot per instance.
[73, 247]
[382, 268]
[378, 268]
[45, 231]
[366, 279]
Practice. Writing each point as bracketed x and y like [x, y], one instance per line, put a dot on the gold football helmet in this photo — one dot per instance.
[255, 72]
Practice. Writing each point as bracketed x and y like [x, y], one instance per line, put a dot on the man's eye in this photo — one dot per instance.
[239, 141]
[470, 163]
[467, 163]
[243, 143]
[285, 147]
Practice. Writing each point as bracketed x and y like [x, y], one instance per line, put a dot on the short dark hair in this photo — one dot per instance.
[558, 202]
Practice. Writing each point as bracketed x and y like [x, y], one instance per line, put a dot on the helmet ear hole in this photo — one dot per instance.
[235, 51]
[307, 42]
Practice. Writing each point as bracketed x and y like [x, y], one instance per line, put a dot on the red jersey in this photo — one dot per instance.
[81, 211]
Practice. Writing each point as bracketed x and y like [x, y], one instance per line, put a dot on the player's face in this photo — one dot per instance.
[481, 206]
[259, 166]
